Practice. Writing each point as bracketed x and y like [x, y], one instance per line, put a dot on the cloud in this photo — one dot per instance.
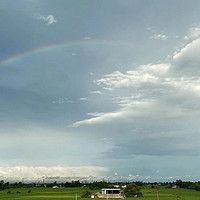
[35, 173]
[62, 100]
[143, 75]
[49, 19]
[159, 37]
[156, 104]
[96, 92]
[193, 33]
[83, 99]
[87, 38]
[186, 59]
[100, 118]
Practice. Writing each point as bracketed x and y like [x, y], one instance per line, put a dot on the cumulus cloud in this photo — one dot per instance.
[142, 75]
[159, 37]
[167, 94]
[33, 173]
[49, 19]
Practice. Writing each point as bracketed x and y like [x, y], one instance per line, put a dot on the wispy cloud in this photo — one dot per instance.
[62, 100]
[87, 38]
[96, 92]
[49, 19]
[159, 37]
[101, 118]
[83, 99]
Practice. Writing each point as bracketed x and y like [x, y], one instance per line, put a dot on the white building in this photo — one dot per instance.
[110, 191]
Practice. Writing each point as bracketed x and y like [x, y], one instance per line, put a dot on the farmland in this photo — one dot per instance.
[38, 193]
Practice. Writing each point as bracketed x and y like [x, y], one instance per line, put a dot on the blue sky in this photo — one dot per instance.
[99, 89]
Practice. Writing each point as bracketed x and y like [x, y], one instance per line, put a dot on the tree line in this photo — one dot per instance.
[97, 185]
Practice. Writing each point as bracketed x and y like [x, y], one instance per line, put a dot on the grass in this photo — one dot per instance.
[69, 194]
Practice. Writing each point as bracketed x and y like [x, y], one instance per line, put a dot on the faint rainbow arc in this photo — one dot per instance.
[55, 46]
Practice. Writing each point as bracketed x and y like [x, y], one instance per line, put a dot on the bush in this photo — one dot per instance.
[197, 187]
[131, 190]
[86, 194]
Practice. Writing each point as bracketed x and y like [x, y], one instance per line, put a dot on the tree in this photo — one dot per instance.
[86, 194]
[2, 185]
[98, 185]
[131, 190]
[197, 187]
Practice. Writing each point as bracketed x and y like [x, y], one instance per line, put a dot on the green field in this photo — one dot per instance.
[70, 193]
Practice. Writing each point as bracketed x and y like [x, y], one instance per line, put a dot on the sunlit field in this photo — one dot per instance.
[70, 193]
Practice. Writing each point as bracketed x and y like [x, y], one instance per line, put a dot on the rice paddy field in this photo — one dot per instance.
[70, 194]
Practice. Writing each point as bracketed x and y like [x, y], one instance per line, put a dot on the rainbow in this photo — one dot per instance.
[51, 47]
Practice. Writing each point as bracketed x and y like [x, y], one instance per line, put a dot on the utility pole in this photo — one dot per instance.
[157, 196]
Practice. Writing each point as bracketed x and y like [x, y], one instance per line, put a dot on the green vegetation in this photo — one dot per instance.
[99, 185]
[41, 193]
[131, 190]
[86, 194]
[151, 191]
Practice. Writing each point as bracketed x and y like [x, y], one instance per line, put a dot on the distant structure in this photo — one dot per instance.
[175, 186]
[109, 193]
[116, 186]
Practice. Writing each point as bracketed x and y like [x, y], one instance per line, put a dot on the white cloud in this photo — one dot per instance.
[49, 19]
[119, 115]
[142, 75]
[87, 38]
[83, 99]
[159, 37]
[33, 173]
[130, 175]
[189, 52]
[193, 33]
[101, 118]
[96, 92]
[151, 84]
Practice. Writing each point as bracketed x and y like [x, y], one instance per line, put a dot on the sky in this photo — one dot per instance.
[95, 90]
